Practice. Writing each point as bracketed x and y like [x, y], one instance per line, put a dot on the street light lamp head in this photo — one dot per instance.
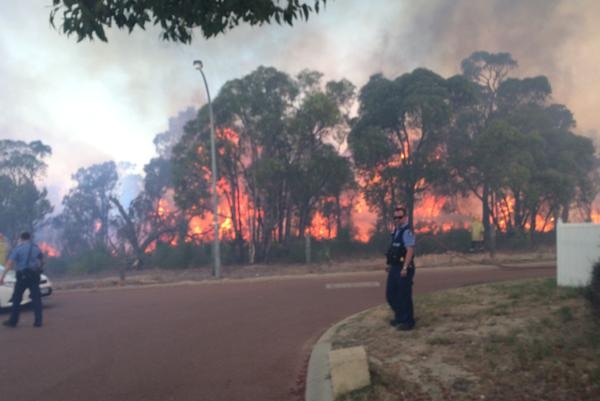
[198, 65]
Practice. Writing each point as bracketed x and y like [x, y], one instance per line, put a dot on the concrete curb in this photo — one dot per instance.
[318, 378]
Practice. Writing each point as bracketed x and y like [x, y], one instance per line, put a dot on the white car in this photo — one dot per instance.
[6, 289]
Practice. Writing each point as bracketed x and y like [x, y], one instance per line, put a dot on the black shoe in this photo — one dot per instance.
[394, 322]
[405, 327]
[37, 324]
[8, 323]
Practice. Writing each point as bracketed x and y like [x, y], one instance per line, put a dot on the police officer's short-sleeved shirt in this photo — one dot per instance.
[19, 256]
[408, 238]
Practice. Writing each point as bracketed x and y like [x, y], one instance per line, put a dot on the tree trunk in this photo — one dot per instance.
[565, 214]
[252, 238]
[489, 235]
[307, 250]
[236, 219]
[338, 215]
[532, 226]
[519, 218]
[130, 233]
[288, 224]
[410, 204]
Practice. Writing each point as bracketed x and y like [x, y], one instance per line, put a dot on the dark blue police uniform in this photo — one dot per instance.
[398, 288]
[28, 260]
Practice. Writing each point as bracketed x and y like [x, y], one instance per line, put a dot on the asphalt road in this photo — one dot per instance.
[228, 341]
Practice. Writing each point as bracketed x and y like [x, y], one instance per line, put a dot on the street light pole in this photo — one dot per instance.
[213, 163]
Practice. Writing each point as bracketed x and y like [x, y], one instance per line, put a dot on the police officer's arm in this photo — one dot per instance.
[410, 252]
[409, 242]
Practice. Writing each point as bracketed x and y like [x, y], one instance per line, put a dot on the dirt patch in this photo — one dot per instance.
[163, 276]
[526, 340]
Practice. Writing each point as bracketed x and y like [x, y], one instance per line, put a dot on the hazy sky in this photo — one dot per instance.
[95, 101]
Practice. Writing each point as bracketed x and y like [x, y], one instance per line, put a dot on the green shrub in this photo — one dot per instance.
[593, 291]
[292, 252]
[458, 240]
[180, 256]
[88, 261]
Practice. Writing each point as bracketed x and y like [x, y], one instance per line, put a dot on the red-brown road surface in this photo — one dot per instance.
[229, 341]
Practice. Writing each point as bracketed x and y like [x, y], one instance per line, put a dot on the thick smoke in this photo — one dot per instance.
[165, 141]
[556, 38]
[132, 85]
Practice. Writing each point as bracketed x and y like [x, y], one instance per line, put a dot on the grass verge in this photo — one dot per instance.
[526, 340]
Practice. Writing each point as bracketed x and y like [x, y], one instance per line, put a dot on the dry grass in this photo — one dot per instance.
[158, 276]
[525, 340]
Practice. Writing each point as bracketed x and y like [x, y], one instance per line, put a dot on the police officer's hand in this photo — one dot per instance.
[387, 269]
[403, 272]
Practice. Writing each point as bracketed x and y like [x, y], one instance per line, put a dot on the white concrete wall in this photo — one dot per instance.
[577, 249]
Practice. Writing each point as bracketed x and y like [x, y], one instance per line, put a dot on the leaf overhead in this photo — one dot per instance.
[89, 19]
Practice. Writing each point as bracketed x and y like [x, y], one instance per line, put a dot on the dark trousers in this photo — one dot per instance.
[27, 279]
[399, 295]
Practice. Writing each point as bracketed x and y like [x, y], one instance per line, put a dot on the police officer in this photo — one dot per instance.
[401, 271]
[28, 260]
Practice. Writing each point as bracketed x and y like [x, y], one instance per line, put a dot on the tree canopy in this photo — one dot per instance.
[84, 221]
[22, 205]
[294, 153]
[398, 140]
[514, 149]
[88, 19]
[275, 136]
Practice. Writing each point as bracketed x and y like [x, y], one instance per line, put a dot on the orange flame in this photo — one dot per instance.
[321, 227]
[49, 250]
[431, 213]
[363, 220]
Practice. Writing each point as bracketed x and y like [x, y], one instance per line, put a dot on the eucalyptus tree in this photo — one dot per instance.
[504, 157]
[85, 219]
[318, 124]
[399, 139]
[487, 71]
[271, 130]
[250, 116]
[533, 147]
[144, 222]
[563, 169]
[518, 102]
[499, 96]
[23, 206]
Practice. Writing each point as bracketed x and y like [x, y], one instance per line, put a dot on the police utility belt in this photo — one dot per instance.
[29, 274]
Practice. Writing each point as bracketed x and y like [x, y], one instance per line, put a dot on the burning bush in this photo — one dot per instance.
[94, 260]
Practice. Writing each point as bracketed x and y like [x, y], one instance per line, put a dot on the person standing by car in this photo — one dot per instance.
[3, 249]
[401, 271]
[476, 235]
[28, 261]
